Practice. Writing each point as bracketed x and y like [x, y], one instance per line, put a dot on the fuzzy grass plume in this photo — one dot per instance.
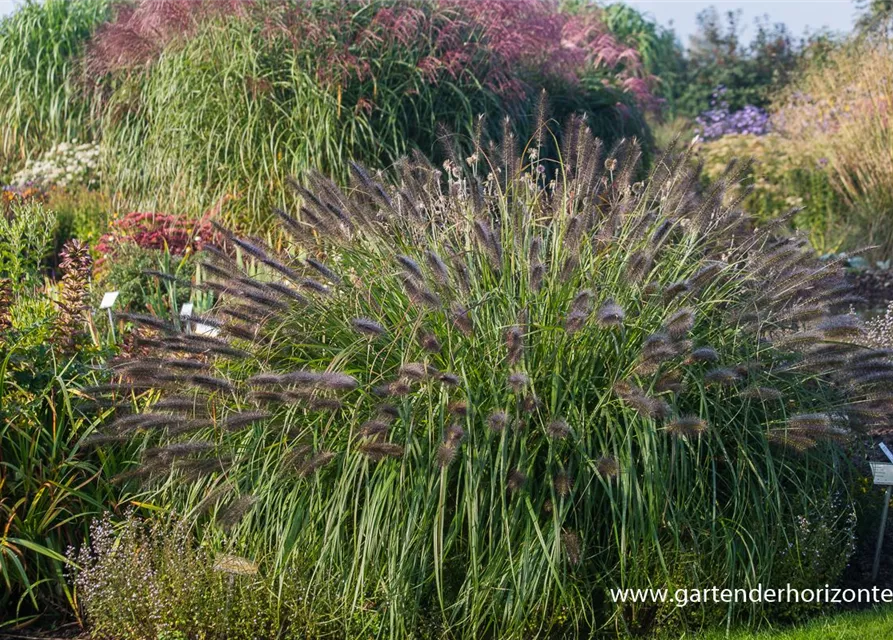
[480, 398]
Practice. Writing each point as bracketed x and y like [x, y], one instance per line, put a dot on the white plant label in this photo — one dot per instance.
[186, 309]
[882, 472]
[886, 451]
[108, 300]
[205, 330]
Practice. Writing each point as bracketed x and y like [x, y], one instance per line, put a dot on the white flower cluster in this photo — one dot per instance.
[879, 330]
[65, 164]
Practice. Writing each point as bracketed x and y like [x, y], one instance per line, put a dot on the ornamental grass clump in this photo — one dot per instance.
[836, 116]
[483, 397]
[313, 85]
[41, 97]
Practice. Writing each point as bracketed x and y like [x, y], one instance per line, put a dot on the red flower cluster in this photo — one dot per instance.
[156, 231]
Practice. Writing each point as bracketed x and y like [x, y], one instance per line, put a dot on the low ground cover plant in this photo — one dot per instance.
[479, 397]
[143, 580]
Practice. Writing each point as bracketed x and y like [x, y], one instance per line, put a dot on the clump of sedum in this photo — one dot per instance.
[478, 398]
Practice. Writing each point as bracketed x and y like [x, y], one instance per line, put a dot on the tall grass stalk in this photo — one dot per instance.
[41, 80]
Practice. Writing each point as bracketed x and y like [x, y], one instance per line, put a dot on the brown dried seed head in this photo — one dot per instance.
[498, 420]
[446, 453]
[762, 393]
[462, 319]
[531, 403]
[572, 547]
[721, 376]
[458, 408]
[842, 326]
[337, 381]
[558, 429]
[367, 327]
[414, 370]
[537, 271]
[517, 381]
[680, 323]
[704, 354]
[516, 480]
[810, 421]
[449, 379]
[429, 342]
[454, 434]
[372, 428]
[610, 314]
[563, 484]
[575, 321]
[376, 450]
[687, 427]
[515, 342]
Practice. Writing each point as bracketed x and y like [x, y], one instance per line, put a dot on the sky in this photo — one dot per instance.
[796, 14]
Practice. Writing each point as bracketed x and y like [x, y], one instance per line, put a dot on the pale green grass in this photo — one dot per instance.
[876, 624]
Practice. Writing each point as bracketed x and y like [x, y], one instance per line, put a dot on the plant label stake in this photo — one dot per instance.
[883, 476]
[205, 330]
[108, 300]
[185, 312]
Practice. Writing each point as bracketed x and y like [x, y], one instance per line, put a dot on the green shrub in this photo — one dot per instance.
[131, 271]
[81, 213]
[779, 181]
[27, 232]
[482, 399]
[66, 178]
[50, 486]
[717, 56]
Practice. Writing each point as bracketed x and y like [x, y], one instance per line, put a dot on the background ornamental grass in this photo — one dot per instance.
[472, 400]
[199, 102]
